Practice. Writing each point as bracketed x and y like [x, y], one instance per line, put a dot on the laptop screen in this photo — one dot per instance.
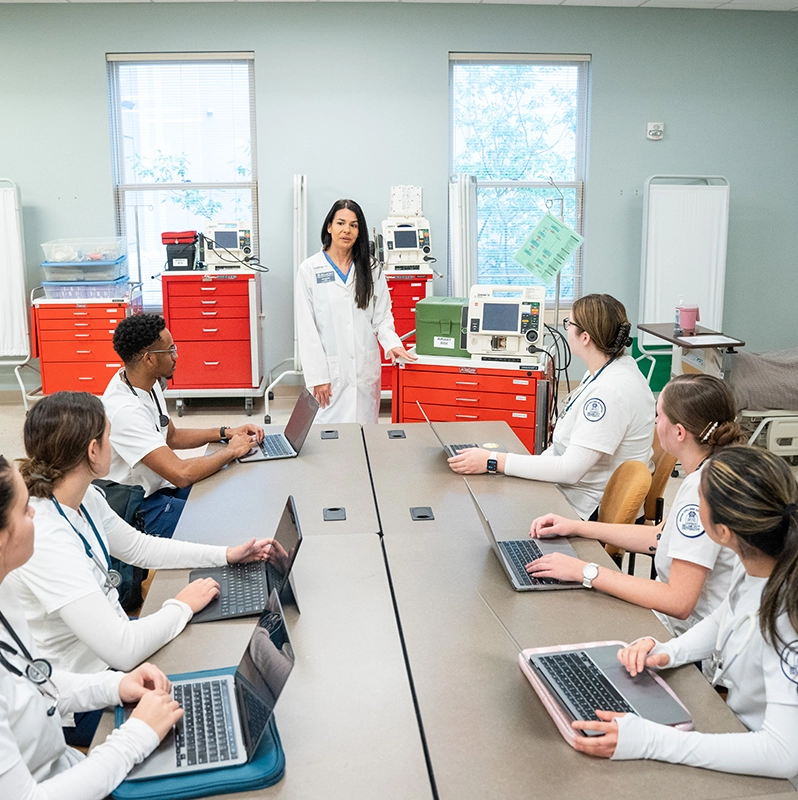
[287, 540]
[302, 417]
[262, 674]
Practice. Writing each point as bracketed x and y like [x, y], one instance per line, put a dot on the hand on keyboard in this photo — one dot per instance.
[599, 746]
[557, 565]
[551, 525]
[199, 593]
[241, 444]
[159, 711]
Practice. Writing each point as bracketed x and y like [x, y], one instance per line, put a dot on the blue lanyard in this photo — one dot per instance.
[335, 267]
[86, 545]
[593, 377]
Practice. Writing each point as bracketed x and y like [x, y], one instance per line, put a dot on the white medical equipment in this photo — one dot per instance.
[405, 246]
[227, 245]
[505, 323]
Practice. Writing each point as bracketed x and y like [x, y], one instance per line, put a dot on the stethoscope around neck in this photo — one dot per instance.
[112, 577]
[163, 420]
[37, 670]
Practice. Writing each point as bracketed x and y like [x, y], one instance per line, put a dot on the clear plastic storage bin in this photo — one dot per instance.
[62, 271]
[87, 249]
[86, 290]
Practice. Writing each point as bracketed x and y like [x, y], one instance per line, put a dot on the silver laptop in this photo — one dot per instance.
[590, 678]
[225, 716]
[245, 588]
[515, 554]
[450, 449]
[289, 443]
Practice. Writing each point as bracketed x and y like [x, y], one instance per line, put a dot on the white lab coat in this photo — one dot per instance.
[338, 340]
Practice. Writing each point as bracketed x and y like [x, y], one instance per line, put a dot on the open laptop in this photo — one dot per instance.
[289, 443]
[226, 715]
[515, 554]
[590, 677]
[450, 449]
[244, 588]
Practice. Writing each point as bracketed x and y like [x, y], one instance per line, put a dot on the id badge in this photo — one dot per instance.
[325, 277]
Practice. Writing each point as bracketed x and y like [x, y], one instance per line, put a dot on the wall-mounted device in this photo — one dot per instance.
[505, 323]
[227, 245]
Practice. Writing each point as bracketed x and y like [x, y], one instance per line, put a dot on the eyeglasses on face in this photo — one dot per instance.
[567, 323]
[171, 350]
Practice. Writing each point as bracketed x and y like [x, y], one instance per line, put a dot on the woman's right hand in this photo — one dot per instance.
[636, 656]
[323, 393]
[551, 525]
[199, 593]
[159, 711]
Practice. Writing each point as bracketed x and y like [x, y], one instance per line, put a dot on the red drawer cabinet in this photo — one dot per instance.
[405, 293]
[74, 341]
[453, 389]
[213, 318]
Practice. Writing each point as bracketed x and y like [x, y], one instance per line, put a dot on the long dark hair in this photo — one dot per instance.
[754, 494]
[6, 490]
[58, 431]
[364, 282]
[704, 406]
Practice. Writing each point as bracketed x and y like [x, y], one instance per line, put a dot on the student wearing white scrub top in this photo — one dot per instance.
[35, 761]
[695, 417]
[607, 419]
[343, 308]
[749, 503]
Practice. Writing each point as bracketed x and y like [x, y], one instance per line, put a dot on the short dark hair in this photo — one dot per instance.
[137, 333]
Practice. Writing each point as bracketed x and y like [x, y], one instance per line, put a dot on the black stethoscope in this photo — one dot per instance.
[162, 418]
[37, 670]
[112, 577]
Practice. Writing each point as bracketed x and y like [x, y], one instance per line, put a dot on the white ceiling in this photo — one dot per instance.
[723, 5]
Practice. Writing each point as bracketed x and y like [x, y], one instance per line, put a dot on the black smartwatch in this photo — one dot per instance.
[493, 466]
[222, 437]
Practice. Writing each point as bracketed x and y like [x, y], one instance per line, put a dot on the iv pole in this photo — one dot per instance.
[549, 205]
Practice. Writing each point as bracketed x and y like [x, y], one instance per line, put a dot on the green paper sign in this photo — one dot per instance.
[548, 248]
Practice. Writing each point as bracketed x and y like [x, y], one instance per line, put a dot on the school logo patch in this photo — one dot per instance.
[594, 409]
[688, 523]
[789, 661]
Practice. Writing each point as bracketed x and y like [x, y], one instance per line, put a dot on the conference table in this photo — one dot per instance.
[407, 682]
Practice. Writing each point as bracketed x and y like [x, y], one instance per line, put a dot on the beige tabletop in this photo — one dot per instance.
[245, 500]
[346, 717]
[487, 733]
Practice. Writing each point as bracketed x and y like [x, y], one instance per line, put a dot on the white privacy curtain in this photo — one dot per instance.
[13, 301]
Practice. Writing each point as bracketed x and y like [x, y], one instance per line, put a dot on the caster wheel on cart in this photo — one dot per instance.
[248, 406]
[267, 420]
[179, 406]
[271, 395]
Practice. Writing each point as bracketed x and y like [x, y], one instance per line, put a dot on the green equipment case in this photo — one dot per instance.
[441, 326]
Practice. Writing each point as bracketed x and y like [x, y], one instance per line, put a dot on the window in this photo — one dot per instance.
[519, 123]
[183, 136]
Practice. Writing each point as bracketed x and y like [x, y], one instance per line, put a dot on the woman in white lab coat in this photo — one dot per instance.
[343, 309]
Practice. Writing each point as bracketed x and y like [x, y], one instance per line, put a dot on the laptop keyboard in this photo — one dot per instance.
[243, 589]
[584, 684]
[520, 552]
[453, 449]
[205, 734]
[275, 445]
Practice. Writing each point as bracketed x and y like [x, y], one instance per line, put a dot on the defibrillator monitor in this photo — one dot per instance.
[505, 323]
[406, 245]
[227, 244]
[404, 239]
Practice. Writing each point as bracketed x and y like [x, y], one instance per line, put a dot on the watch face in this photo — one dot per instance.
[492, 465]
[590, 571]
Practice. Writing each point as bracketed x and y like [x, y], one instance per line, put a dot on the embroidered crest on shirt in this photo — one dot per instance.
[688, 523]
[594, 409]
[789, 661]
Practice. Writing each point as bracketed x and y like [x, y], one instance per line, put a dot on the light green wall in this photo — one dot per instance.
[356, 97]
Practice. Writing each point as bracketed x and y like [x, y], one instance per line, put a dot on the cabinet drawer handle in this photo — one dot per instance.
[82, 335]
[85, 379]
[466, 416]
[80, 313]
[81, 324]
[208, 302]
[466, 399]
[466, 383]
[211, 363]
[207, 288]
[210, 330]
[83, 352]
[209, 313]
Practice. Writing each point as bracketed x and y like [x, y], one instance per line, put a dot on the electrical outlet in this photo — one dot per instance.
[655, 130]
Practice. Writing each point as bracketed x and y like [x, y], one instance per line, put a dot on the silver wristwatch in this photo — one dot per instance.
[589, 574]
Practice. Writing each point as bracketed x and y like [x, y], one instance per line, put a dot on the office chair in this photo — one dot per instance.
[625, 493]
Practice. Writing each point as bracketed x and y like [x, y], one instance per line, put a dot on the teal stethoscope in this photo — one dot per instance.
[37, 670]
[112, 577]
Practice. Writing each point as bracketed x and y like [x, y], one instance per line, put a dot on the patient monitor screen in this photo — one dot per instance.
[226, 239]
[405, 240]
[500, 317]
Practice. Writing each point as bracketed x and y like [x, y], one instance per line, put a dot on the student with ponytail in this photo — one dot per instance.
[695, 417]
[749, 503]
[606, 420]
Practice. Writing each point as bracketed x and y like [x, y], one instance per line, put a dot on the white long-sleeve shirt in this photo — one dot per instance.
[35, 761]
[76, 620]
[763, 693]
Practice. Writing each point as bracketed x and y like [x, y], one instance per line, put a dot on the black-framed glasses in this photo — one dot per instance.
[567, 323]
[171, 350]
